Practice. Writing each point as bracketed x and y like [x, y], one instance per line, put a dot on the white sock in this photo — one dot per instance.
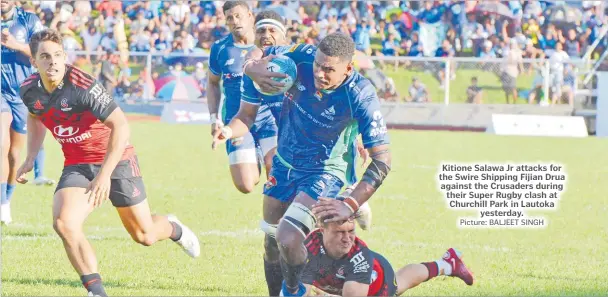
[445, 268]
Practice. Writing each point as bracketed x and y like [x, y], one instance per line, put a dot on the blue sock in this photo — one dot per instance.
[39, 164]
[3, 193]
[301, 290]
[9, 192]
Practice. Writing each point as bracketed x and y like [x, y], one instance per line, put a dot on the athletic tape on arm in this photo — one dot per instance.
[376, 172]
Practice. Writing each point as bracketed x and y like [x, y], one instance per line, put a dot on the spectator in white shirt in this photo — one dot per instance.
[556, 66]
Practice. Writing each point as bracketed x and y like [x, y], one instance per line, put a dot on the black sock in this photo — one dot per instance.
[274, 277]
[92, 282]
[176, 234]
[292, 274]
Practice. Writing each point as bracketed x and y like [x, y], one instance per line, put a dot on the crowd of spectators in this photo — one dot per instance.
[445, 28]
[378, 27]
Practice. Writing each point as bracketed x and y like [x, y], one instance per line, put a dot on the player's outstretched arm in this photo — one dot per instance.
[35, 138]
[238, 126]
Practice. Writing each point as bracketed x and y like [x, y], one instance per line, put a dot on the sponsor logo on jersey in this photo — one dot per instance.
[38, 105]
[68, 134]
[319, 95]
[329, 113]
[229, 62]
[62, 131]
[102, 97]
[232, 75]
[379, 127]
[359, 263]
[271, 182]
[340, 273]
[300, 87]
[64, 105]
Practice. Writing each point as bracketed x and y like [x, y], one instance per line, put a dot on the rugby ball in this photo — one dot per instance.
[284, 65]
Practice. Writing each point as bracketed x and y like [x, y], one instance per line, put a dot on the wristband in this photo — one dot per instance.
[227, 132]
[352, 204]
[213, 117]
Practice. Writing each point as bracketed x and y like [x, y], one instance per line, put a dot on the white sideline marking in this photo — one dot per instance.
[219, 233]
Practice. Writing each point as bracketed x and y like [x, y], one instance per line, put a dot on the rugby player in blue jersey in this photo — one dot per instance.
[271, 31]
[18, 26]
[329, 104]
[226, 67]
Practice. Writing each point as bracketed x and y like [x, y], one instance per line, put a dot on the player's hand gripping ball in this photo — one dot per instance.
[285, 65]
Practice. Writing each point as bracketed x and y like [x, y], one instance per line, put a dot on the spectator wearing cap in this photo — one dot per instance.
[417, 92]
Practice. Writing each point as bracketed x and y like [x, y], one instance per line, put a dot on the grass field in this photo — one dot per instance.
[411, 223]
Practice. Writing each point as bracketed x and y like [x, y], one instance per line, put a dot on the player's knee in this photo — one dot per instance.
[13, 156]
[68, 231]
[271, 249]
[245, 186]
[143, 238]
[287, 240]
[297, 222]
